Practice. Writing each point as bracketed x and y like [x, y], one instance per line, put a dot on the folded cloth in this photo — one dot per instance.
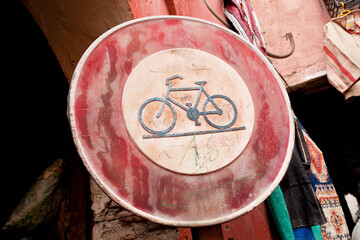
[354, 91]
[342, 48]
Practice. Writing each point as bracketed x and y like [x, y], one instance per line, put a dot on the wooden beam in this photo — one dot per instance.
[71, 26]
[207, 233]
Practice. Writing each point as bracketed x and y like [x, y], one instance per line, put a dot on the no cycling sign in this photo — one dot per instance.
[191, 108]
[180, 121]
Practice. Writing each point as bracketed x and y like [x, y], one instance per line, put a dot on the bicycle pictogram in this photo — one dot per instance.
[211, 110]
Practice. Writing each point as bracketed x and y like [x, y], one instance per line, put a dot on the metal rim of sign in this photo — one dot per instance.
[180, 223]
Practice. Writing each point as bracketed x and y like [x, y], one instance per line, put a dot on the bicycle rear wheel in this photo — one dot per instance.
[226, 118]
[148, 120]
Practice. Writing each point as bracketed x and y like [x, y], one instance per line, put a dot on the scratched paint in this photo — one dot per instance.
[135, 181]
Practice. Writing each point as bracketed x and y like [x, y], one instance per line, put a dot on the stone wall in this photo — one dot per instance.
[111, 221]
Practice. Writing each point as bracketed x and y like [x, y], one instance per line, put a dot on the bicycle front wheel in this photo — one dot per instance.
[222, 117]
[153, 124]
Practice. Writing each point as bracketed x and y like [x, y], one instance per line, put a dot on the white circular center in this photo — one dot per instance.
[188, 111]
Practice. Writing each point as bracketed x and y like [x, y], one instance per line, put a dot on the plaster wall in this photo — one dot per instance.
[305, 19]
[71, 26]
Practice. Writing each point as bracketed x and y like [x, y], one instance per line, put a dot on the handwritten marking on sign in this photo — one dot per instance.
[212, 150]
[192, 142]
[211, 155]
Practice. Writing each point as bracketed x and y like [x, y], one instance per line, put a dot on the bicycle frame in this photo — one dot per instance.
[200, 89]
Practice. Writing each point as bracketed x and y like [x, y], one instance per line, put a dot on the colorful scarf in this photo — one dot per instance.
[335, 227]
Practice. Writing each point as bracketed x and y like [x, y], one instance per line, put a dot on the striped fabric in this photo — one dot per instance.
[342, 48]
[242, 16]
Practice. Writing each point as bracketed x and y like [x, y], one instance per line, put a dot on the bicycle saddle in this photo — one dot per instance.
[200, 82]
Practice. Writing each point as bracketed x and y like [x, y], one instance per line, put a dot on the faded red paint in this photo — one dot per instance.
[254, 225]
[132, 179]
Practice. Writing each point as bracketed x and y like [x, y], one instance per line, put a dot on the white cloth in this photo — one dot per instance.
[356, 231]
[352, 204]
[342, 48]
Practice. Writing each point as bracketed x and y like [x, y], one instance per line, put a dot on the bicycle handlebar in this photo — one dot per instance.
[172, 78]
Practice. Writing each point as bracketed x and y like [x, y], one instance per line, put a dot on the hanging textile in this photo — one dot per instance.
[304, 233]
[277, 206]
[335, 227]
[356, 231]
[240, 13]
[342, 48]
[317, 232]
[308, 233]
[303, 206]
[242, 16]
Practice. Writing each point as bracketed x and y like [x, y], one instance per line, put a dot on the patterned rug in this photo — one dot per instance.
[335, 227]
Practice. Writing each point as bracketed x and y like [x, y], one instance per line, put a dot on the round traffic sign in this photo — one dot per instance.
[180, 121]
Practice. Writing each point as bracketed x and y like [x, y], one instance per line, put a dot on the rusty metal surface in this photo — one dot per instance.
[257, 224]
[127, 175]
